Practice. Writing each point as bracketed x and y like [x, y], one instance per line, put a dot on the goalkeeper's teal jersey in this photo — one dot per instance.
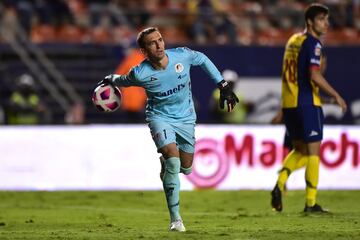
[168, 91]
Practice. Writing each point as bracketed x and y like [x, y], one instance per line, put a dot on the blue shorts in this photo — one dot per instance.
[304, 123]
[164, 133]
[287, 141]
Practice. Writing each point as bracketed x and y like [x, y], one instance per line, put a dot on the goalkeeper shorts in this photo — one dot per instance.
[164, 133]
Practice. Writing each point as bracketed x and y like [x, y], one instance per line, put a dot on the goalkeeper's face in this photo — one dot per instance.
[154, 48]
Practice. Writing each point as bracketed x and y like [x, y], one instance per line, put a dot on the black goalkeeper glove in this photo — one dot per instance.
[226, 94]
[107, 80]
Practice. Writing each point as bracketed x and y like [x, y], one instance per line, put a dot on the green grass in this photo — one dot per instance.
[143, 215]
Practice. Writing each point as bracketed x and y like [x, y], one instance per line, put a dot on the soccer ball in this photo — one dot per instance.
[106, 98]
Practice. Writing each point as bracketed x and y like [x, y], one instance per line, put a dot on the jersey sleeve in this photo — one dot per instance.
[126, 80]
[314, 53]
[200, 59]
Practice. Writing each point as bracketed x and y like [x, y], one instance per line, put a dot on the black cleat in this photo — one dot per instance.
[276, 202]
[315, 209]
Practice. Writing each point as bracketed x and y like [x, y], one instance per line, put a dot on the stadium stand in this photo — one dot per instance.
[202, 21]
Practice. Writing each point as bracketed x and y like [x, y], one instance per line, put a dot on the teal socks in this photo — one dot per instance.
[171, 184]
[186, 171]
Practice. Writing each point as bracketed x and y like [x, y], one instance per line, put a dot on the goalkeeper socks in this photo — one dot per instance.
[289, 165]
[186, 171]
[312, 179]
[171, 184]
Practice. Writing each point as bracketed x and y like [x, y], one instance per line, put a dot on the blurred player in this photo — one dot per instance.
[25, 105]
[133, 99]
[170, 113]
[301, 104]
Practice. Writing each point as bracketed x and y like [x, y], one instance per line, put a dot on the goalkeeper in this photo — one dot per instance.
[170, 112]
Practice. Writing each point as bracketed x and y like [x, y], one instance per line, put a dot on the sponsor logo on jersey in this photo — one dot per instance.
[315, 61]
[179, 67]
[171, 91]
[318, 49]
[182, 76]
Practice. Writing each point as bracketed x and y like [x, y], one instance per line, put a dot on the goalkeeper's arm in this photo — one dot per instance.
[120, 80]
[108, 80]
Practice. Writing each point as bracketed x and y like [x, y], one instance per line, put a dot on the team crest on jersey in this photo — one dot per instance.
[179, 67]
[318, 49]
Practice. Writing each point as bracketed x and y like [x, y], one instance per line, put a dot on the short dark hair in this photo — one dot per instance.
[143, 34]
[314, 10]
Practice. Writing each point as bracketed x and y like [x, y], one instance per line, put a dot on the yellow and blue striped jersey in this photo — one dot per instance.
[302, 52]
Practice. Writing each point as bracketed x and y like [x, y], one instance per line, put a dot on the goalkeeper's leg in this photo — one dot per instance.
[186, 162]
[171, 182]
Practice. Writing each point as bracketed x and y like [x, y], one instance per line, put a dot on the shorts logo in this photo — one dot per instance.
[157, 136]
[179, 67]
[313, 133]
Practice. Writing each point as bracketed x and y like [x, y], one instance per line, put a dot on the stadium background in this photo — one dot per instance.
[69, 45]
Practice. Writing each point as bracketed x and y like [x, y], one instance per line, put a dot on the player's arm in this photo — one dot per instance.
[117, 80]
[227, 96]
[317, 66]
[200, 59]
[278, 118]
[321, 82]
[323, 64]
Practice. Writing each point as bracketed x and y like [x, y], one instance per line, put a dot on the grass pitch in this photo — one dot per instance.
[206, 214]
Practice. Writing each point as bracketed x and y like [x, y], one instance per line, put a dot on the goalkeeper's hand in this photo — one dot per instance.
[227, 95]
[107, 80]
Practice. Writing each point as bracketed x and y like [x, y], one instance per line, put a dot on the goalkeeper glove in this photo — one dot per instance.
[226, 94]
[106, 81]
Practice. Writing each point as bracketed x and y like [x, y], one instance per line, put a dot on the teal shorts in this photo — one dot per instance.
[164, 133]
